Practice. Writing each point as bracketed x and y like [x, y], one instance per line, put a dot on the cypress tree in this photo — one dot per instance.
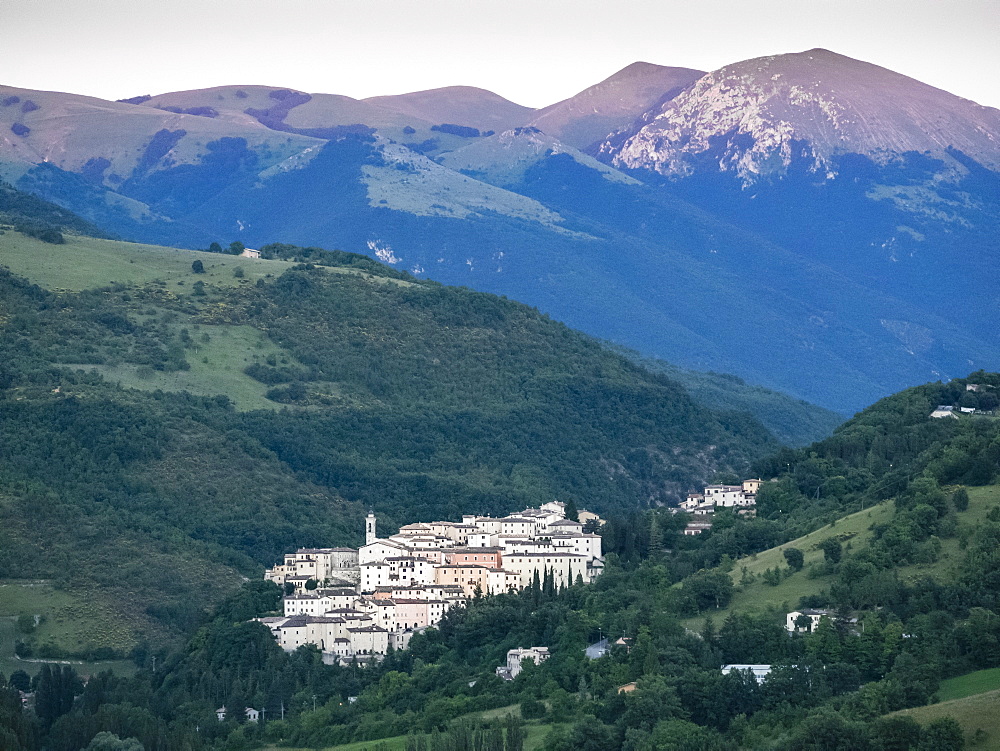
[46, 699]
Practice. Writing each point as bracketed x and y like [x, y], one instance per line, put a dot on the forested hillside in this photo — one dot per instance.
[131, 479]
[34, 216]
[423, 401]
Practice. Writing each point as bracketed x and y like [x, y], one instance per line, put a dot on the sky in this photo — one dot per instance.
[532, 52]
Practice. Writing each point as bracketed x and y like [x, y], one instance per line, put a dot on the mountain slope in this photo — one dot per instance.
[836, 289]
[288, 110]
[794, 422]
[755, 117]
[33, 215]
[612, 104]
[503, 159]
[458, 105]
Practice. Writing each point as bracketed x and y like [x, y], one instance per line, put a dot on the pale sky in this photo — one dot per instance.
[532, 52]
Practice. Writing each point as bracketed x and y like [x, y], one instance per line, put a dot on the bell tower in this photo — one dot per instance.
[370, 528]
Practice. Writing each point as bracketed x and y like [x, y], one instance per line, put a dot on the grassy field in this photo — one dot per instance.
[970, 684]
[71, 621]
[759, 597]
[217, 363]
[854, 531]
[88, 263]
[979, 716]
[981, 500]
[9, 662]
[220, 352]
[534, 734]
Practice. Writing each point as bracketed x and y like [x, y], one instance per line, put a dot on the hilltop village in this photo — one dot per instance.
[355, 604]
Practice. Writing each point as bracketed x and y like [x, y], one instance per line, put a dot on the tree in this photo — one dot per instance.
[571, 513]
[960, 499]
[55, 691]
[236, 247]
[709, 589]
[896, 733]
[944, 734]
[26, 623]
[197, 266]
[215, 248]
[105, 741]
[681, 735]
[532, 709]
[831, 550]
[311, 584]
[794, 558]
[20, 680]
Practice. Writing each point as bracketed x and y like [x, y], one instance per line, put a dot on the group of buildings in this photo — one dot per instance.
[742, 498]
[355, 604]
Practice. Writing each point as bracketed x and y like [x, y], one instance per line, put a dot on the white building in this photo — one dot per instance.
[564, 567]
[742, 497]
[379, 550]
[759, 672]
[319, 564]
[814, 616]
[406, 583]
[516, 657]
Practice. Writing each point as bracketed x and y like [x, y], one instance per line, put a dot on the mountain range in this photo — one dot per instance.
[808, 222]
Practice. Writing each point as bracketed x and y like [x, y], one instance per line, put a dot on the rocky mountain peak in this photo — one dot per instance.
[754, 117]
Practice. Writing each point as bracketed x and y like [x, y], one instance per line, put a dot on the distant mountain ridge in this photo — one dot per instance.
[614, 103]
[458, 105]
[808, 222]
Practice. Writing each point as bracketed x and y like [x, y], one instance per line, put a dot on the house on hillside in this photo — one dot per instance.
[515, 657]
[795, 622]
[253, 715]
[250, 253]
[696, 528]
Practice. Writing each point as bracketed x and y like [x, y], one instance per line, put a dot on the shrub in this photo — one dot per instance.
[794, 558]
[960, 499]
